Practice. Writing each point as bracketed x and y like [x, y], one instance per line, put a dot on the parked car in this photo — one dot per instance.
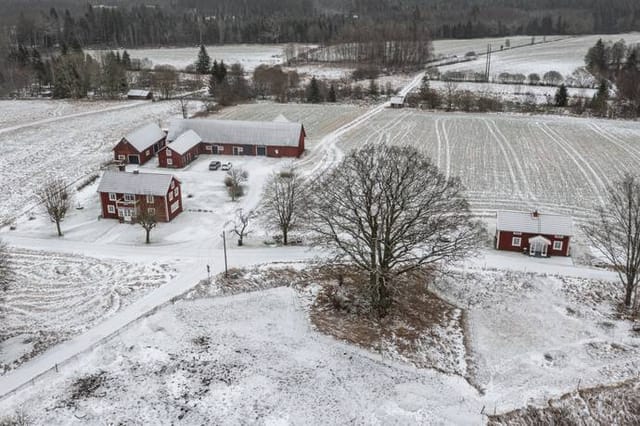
[226, 166]
[214, 165]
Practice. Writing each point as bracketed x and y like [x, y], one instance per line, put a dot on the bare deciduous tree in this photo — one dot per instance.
[184, 106]
[615, 233]
[148, 221]
[451, 91]
[234, 180]
[390, 211]
[6, 269]
[241, 224]
[282, 202]
[56, 200]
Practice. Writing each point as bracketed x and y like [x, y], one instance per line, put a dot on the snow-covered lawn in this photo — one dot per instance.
[564, 55]
[556, 164]
[56, 296]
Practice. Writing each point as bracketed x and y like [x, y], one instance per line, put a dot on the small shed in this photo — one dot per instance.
[397, 101]
[534, 233]
[139, 94]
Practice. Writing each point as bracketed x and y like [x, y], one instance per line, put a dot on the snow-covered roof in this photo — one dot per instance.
[135, 183]
[144, 137]
[540, 223]
[138, 93]
[281, 119]
[239, 132]
[397, 100]
[185, 142]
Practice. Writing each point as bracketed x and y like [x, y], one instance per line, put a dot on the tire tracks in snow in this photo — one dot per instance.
[616, 141]
[596, 183]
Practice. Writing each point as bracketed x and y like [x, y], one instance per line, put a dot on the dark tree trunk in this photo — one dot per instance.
[148, 232]
[58, 227]
[285, 240]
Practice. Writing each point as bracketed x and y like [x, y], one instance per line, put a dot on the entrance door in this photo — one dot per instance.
[134, 159]
[261, 150]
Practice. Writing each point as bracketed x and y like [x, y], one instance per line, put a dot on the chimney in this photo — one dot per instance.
[535, 214]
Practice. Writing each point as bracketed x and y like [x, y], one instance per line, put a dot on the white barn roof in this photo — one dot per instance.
[135, 183]
[543, 223]
[138, 93]
[185, 142]
[239, 132]
[144, 137]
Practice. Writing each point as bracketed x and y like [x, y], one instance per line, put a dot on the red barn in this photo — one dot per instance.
[140, 145]
[182, 151]
[236, 137]
[125, 195]
[537, 234]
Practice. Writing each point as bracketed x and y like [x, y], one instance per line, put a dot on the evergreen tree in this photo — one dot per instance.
[425, 88]
[126, 60]
[562, 96]
[204, 61]
[313, 95]
[374, 91]
[332, 94]
[599, 101]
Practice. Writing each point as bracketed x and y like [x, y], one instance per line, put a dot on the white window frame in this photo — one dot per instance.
[173, 184]
[111, 209]
[238, 150]
[557, 245]
[149, 199]
[176, 192]
[113, 196]
[170, 195]
[120, 212]
[219, 149]
[151, 211]
[208, 148]
[129, 197]
[147, 152]
[169, 153]
[169, 162]
[516, 241]
[175, 207]
[122, 157]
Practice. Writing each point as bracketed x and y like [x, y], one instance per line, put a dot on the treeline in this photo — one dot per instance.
[187, 22]
[617, 64]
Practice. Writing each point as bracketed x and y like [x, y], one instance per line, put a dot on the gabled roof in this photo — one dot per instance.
[542, 223]
[281, 119]
[185, 142]
[138, 93]
[135, 183]
[397, 100]
[144, 137]
[239, 132]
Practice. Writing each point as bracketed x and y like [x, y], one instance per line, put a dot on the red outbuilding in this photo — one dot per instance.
[235, 137]
[182, 151]
[536, 234]
[140, 145]
[125, 196]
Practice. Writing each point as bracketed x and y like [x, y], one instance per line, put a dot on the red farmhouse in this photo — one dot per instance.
[235, 137]
[140, 145]
[536, 234]
[125, 195]
[182, 151]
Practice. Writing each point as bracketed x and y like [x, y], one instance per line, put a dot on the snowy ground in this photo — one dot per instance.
[555, 164]
[564, 56]
[60, 295]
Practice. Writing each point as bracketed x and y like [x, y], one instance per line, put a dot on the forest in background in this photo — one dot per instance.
[47, 23]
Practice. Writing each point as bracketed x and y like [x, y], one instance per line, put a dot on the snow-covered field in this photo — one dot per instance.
[60, 295]
[555, 164]
[564, 56]
[249, 55]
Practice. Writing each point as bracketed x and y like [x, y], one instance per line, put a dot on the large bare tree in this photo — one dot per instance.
[615, 232]
[241, 224]
[282, 202]
[390, 211]
[56, 200]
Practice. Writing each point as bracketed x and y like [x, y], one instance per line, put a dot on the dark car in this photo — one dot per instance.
[214, 165]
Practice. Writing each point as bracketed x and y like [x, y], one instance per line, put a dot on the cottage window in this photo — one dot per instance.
[169, 162]
[208, 147]
[147, 152]
[129, 197]
[122, 157]
[175, 207]
[169, 153]
[176, 191]
[557, 245]
[516, 241]
[151, 211]
[112, 196]
[170, 195]
[149, 199]
[111, 209]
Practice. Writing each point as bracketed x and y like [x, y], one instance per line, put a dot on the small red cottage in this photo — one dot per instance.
[125, 195]
[140, 145]
[182, 151]
[537, 234]
[235, 137]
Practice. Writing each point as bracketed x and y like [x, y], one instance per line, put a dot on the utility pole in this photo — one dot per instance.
[488, 64]
[224, 248]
